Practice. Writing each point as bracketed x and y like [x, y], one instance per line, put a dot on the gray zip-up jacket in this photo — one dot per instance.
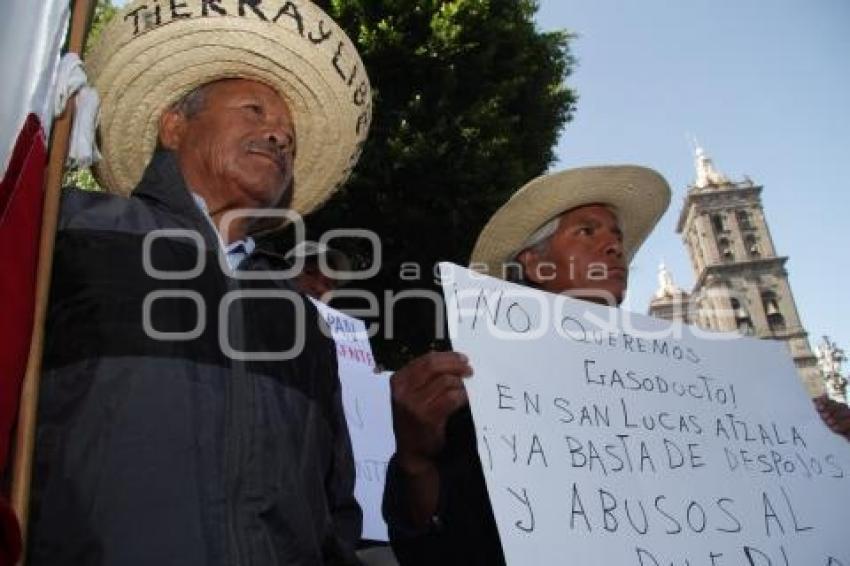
[160, 441]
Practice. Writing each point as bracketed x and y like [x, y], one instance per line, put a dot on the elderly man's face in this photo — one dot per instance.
[238, 150]
[584, 257]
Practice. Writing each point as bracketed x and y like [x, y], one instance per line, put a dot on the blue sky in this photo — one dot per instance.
[763, 86]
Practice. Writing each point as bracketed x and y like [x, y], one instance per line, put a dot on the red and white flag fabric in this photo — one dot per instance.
[31, 37]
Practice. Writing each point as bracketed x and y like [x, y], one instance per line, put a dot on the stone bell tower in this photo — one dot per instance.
[741, 282]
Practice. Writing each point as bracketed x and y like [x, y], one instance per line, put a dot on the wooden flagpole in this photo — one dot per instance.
[59, 143]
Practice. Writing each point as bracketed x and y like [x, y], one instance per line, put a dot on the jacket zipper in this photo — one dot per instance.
[236, 387]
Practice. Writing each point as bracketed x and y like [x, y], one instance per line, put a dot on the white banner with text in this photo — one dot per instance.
[613, 438]
[366, 402]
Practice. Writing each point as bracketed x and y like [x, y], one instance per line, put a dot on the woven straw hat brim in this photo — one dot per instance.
[140, 69]
[638, 195]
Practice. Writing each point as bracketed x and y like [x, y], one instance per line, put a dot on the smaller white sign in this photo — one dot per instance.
[366, 401]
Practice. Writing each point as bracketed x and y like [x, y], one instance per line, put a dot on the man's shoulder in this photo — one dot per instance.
[98, 210]
[76, 197]
[89, 209]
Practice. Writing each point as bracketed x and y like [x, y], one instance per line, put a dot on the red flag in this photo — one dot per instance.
[31, 36]
[21, 197]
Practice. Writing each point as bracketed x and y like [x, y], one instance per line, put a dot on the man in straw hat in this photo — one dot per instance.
[572, 232]
[190, 406]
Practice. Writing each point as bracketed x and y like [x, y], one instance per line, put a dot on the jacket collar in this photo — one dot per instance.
[163, 183]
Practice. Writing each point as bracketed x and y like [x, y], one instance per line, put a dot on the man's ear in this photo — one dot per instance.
[530, 262]
[172, 128]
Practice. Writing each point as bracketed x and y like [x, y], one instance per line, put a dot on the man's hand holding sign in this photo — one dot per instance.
[836, 415]
[426, 392]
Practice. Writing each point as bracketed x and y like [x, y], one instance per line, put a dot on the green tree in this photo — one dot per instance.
[104, 11]
[469, 100]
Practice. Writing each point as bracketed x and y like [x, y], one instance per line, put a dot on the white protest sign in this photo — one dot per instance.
[366, 401]
[618, 439]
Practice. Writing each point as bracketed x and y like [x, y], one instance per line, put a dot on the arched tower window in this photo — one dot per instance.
[717, 223]
[751, 242]
[742, 318]
[745, 220]
[775, 319]
[725, 248]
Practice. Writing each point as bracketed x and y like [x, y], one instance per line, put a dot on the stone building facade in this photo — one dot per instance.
[741, 282]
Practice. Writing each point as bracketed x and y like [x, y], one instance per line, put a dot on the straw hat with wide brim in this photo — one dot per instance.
[638, 195]
[153, 53]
